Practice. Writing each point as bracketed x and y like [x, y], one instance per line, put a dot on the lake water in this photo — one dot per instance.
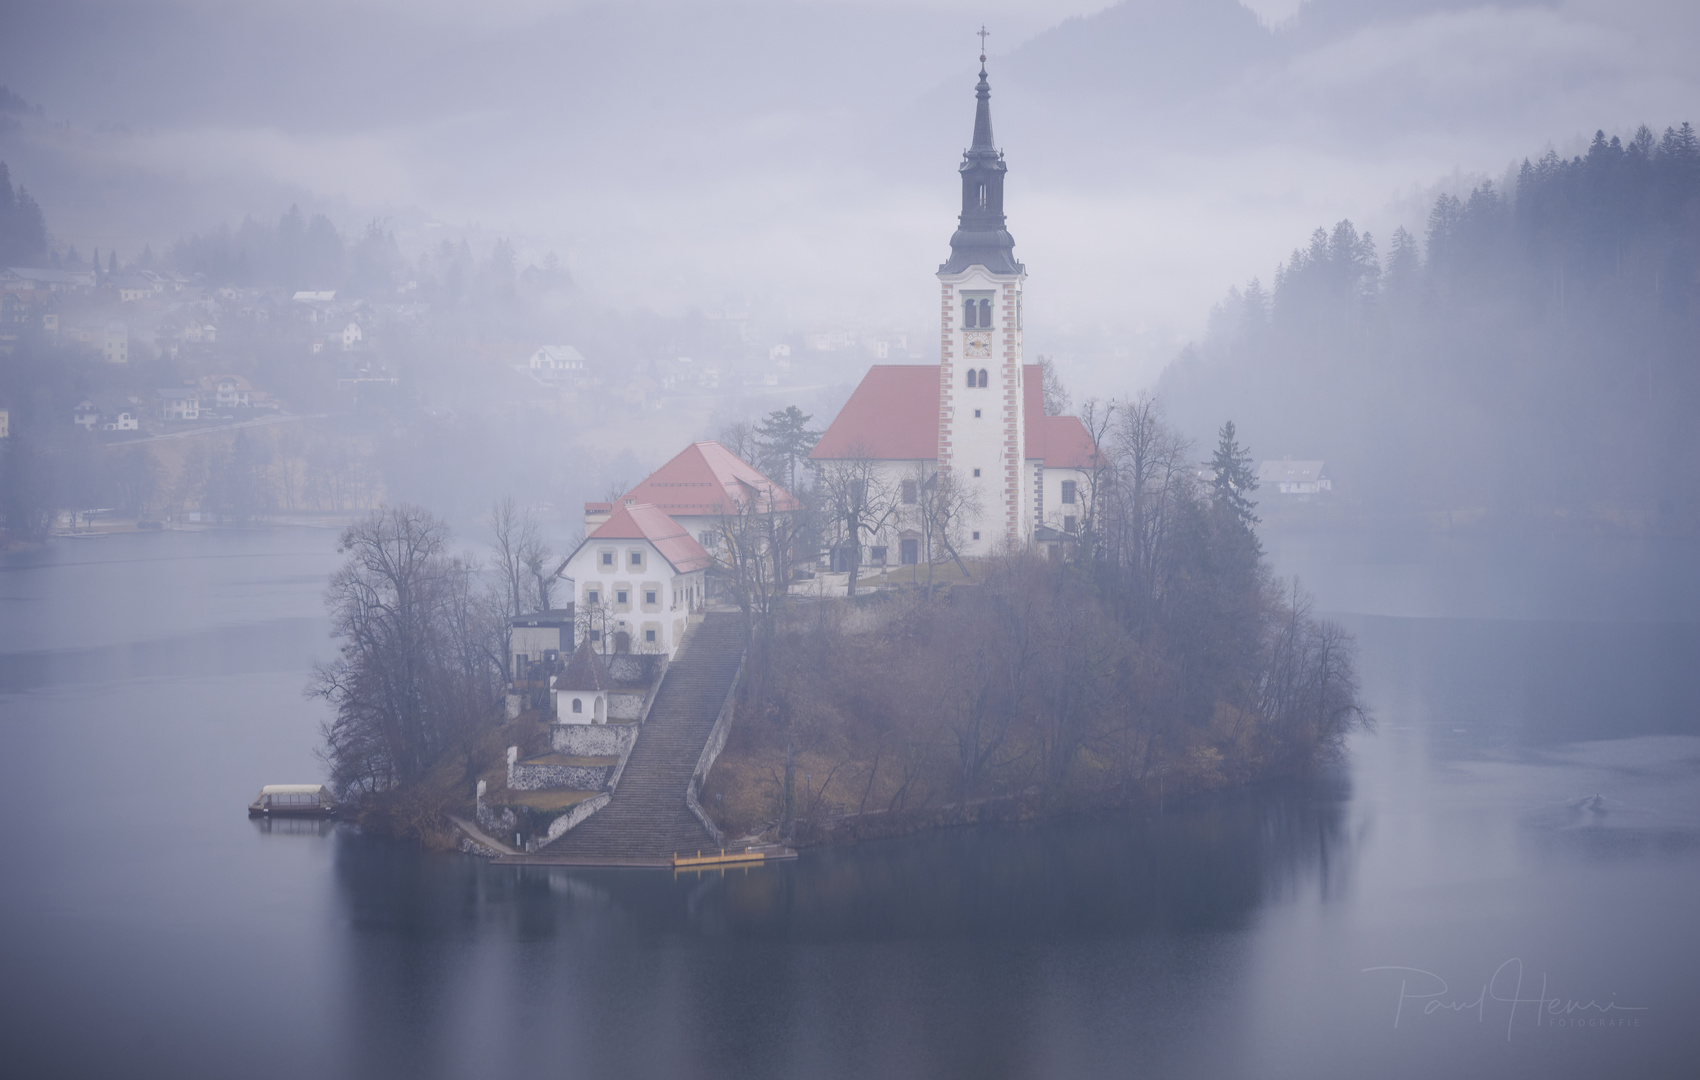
[1505, 880]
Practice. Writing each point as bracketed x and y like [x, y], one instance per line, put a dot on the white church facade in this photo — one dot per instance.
[978, 415]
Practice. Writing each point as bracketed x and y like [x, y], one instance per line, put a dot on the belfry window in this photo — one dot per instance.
[977, 310]
[973, 381]
[982, 196]
[984, 382]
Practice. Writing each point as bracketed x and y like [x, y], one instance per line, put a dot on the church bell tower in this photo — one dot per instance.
[981, 408]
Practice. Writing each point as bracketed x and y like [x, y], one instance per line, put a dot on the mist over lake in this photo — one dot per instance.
[824, 538]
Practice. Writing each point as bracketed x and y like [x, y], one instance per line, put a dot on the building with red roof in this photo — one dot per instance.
[636, 579]
[977, 416]
[643, 567]
[701, 486]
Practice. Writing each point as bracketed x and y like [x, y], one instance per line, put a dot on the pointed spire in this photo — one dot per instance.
[983, 109]
[981, 237]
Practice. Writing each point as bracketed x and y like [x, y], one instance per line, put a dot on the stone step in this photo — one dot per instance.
[647, 815]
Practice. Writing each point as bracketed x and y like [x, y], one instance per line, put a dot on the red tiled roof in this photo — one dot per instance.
[706, 479]
[646, 521]
[1068, 445]
[892, 416]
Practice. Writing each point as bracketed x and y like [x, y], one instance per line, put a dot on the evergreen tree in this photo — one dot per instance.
[23, 229]
[785, 441]
[1235, 478]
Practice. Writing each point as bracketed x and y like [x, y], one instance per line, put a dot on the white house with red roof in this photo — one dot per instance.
[978, 415]
[701, 487]
[636, 579]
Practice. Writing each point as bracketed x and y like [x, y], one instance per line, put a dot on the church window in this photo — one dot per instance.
[982, 196]
[976, 472]
[976, 414]
[578, 705]
[973, 381]
[977, 309]
[1068, 491]
[984, 381]
[909, 491]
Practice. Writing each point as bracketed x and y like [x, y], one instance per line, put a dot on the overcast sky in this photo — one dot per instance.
[802, 152]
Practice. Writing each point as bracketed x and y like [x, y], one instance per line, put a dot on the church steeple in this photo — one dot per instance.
[980, 237]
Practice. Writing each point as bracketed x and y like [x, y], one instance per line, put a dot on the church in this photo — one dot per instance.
[978, 415]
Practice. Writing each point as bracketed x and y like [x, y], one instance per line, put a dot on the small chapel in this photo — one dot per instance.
[977, 415]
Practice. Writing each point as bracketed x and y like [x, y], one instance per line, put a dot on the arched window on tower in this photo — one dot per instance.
[982, 196]
[972, 382]
[983, 382]
[985, 314]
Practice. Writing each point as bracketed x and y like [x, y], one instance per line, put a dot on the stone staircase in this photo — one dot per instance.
[647, 817]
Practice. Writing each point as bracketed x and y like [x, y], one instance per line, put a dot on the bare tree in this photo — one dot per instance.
[1152, 474]
[523, 559]
[757, 551]
[1056, 395]
[413, 668]
[740, 437]
[507, 539]
[860, 500]
[942, 511]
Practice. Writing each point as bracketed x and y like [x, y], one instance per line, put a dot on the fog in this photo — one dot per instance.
[1312, 618]
[800, 154]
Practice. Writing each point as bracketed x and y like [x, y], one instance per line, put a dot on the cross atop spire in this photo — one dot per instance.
[984, 34]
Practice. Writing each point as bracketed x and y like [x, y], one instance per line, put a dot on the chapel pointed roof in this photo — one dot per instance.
[585, 671]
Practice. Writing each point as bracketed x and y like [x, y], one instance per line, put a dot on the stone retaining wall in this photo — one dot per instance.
[593, 740]
[527, 776]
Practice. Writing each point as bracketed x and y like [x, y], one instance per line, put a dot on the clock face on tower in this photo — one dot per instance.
[977, 346]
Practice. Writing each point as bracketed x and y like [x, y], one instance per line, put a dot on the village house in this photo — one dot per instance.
[554, 362]
[978, 415]
[178, 404]
[1289, 477]
[86, 415]
[121, 416]
[226, 391]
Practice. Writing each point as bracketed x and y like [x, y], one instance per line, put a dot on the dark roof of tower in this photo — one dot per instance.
[981, 237]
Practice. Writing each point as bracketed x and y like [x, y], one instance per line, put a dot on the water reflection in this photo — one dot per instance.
[966, 948]
[293, 826]
[1206, 868]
